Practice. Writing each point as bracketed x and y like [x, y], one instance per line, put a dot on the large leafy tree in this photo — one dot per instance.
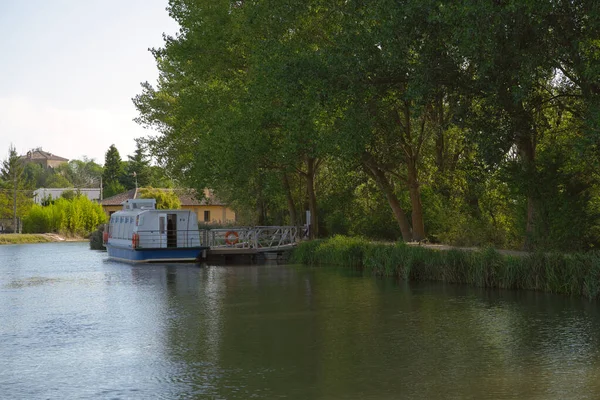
[478, 114]
[528, 93]
[210, 124]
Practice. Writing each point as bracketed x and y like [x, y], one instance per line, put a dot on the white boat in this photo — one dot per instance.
[141, 233]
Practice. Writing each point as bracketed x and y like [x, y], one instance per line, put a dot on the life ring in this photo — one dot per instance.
[231, 237]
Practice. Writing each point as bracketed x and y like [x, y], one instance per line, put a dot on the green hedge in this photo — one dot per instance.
[78, 216]
[571, 274]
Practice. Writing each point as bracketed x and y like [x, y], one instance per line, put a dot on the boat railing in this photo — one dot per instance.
[180, 239]
[236, 237]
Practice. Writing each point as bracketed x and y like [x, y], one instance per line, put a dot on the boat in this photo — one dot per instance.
[141, 233]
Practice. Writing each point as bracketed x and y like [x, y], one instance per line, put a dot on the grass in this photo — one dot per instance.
[575, 274]
[15, 238]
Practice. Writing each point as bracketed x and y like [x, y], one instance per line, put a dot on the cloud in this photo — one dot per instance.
[70, 133]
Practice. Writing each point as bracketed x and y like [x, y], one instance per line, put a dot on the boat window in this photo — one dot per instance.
[161, 224]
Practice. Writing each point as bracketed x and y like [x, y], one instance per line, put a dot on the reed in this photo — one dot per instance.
[575, 274]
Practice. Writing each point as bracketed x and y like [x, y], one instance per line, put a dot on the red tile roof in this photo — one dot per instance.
[39, 154]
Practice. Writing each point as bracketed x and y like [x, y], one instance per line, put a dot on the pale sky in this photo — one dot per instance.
[68, 71]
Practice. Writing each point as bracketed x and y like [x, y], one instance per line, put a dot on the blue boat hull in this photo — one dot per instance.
[154, 255]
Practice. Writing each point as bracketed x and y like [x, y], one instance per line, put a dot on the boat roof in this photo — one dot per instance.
[143, 204]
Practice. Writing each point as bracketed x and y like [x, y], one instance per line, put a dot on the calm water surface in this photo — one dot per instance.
[74, 325]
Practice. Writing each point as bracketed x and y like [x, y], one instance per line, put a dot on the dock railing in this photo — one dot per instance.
[256, 237]
[272, 237]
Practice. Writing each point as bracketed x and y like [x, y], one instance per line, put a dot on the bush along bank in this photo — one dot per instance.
[570, 274]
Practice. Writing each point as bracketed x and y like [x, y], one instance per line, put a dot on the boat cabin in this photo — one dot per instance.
[139, 225]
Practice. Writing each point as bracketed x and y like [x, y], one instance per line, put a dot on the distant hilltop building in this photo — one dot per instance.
[45, 159]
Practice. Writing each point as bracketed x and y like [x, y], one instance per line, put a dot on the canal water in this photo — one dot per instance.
[74, 325]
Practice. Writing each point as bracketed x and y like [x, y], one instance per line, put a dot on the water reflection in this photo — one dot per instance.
[79, 326]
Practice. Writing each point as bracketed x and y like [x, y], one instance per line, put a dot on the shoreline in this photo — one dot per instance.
[31, 238]
[572, 274]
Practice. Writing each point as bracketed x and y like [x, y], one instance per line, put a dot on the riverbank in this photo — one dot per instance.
[26, 238]
[572, 274]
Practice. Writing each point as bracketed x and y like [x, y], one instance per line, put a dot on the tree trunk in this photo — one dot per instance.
[312, 198]
[379, 176]
[526, 145]
[527, 151]
[290, 200]
[415, 200]
[260, 211]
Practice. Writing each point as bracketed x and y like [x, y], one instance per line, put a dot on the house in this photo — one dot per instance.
[209, 210]
[45, 159]
[42, 194]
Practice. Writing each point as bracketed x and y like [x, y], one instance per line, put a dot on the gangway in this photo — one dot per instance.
[267, 241]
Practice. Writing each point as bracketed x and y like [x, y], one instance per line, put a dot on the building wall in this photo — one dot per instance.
[54, 163]
[45, 163]
[217, 214]
[108, 210]
[40, 194]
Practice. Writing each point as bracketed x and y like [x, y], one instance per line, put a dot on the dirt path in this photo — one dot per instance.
[514, 253]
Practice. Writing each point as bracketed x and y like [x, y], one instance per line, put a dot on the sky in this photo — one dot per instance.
[68, 72]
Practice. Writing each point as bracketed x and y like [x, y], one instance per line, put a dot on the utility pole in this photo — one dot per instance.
[15, 187]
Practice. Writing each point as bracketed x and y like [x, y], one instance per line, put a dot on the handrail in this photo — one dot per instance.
[257, 237]
[254, 237]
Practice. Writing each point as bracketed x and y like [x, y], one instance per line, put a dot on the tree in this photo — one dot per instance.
[471, 119]
[137, 171]
[12, 175]
[165, 199]
[113, 172]
[82, 173]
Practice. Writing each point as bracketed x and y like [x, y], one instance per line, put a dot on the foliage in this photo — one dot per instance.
[80, 173]
[112, 189]
[137, 172]
[473, 123]
[15, 198]
[570, 274]
[165, 199]
[113, 169]
[76, 217]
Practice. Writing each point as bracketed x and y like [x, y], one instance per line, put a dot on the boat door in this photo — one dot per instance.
[162, 230]
[171, 230]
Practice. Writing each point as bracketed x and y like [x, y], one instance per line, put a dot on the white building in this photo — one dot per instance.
[39, 195]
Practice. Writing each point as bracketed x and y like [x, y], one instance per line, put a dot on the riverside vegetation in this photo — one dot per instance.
[575, 274]
[15, 238]
[71, 217]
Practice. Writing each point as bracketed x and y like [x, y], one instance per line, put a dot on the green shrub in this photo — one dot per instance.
[76, 217]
